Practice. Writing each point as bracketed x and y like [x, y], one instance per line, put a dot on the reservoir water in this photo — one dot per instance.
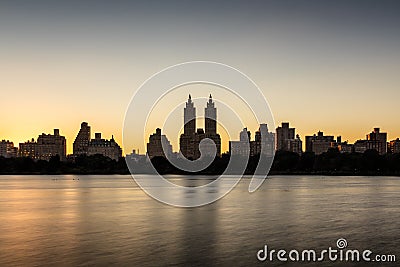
[70, 220]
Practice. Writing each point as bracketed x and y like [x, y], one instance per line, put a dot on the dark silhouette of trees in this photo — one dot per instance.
[96, 164]
[285, 161]
[306, 162]
[54, 164]
[330, 163]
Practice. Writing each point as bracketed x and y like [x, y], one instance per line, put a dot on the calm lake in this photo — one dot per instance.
[74, 220]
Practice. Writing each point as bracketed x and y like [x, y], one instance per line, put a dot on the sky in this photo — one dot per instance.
[322, 65]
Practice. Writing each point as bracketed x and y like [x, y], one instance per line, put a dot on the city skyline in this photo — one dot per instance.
[201, 101]
[329, 67]
[175, 145]
[283, 138]
[199, 133]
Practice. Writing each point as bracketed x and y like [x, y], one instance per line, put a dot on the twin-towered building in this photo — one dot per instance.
[190, 139]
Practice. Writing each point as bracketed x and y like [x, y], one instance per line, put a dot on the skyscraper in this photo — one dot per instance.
[264, 142]
[190, 139]
[245, 135]
[82, 140]
[286, 140]
[189, 117]
[210, 113]
[156, 143]
[377, 140]
[210, 117]
[319, 143]
[283, 134]
[189, 129]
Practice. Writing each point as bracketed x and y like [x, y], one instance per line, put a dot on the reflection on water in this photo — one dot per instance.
[108, 220]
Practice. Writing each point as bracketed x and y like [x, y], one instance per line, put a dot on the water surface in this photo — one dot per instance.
[107, 220]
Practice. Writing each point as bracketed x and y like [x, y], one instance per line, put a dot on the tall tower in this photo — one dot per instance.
[190, 139]
[82, 140]
[210, 117]
[189, 117]
[283, 134]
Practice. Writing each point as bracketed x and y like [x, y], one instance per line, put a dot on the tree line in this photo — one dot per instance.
[330, 163]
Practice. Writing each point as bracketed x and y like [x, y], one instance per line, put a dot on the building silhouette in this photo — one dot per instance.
[343, 147]
[189, 116]
[47, 146]
[283, 134]
[50, 145]
[394, 146]
[156, 143]
[7, 149]
[264, 143]
[210, 117]
[135, 156]
[82, 140]
[319, 143]
[241, 147]
[376, 140]
[186, 140]
[84, 145]
[107, 148]
[245, 135]
[190, 139]
[295, 145]
[360, 146]
[287, 140]
[28, 149]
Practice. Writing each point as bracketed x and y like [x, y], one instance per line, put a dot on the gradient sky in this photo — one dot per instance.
[322, 65]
